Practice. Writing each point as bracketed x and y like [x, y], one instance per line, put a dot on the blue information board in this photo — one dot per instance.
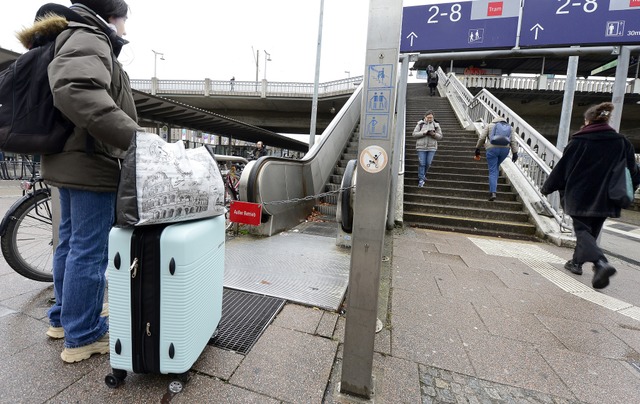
[461, 25]
[580, 22]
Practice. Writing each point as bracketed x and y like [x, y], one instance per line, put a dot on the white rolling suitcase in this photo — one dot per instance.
[165, 295]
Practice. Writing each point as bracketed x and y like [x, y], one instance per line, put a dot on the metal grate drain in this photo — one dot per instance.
[245, 316]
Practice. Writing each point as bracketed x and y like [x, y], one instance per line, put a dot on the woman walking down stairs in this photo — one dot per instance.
[454, 197]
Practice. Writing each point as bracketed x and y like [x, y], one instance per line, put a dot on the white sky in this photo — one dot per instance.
[218, 39]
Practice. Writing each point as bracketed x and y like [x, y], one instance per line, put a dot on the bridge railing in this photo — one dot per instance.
[542, 83]
[261, 88]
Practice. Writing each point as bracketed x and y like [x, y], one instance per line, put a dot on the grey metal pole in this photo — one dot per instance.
[619, 87]
[371, 200]
[567, 103]
[314, 104]
[397, 151]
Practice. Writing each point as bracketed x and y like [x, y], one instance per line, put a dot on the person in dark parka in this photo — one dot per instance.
[582, 176]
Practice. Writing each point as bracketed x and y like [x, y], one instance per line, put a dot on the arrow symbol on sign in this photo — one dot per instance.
[411, 37]
[538, 28]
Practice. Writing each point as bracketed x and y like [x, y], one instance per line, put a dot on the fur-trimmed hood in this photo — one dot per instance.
[51, 19]
[43, 30]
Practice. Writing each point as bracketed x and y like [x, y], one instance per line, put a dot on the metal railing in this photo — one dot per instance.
[536, 155]
[261, 88]
[542, 83]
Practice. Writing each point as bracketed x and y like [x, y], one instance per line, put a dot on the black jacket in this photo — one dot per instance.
[584, 171]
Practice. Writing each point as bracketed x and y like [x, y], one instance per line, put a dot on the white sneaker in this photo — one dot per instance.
[101, 346]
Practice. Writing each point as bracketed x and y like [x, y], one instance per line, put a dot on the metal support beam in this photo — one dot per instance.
[619, 87]
[314, 103]
[567, 103]
[398, 151]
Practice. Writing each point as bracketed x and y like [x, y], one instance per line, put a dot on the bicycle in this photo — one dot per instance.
[26, 231]
[231, 179]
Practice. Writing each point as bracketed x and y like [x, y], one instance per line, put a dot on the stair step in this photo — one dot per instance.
[465, 201]
[472, 194]
[494, 213]
[470, 224]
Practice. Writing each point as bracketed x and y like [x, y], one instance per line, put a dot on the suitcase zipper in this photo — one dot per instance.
[145, 299]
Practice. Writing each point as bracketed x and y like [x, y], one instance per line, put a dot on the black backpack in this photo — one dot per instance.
[29, 123]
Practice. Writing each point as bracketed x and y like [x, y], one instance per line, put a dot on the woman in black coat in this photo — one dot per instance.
[582, 176]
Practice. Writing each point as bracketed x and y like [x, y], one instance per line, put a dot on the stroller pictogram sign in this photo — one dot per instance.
[373, 159]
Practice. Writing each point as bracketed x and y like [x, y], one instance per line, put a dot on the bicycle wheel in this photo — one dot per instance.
[27, 245]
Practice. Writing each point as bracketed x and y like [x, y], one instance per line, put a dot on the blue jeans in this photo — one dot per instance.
[79, 265]
[495, 157]
[425, 158]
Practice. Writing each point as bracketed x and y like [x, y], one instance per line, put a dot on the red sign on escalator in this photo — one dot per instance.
[245, 213]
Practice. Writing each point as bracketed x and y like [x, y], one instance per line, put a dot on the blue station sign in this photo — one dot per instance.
[461, 25]
[580, 22]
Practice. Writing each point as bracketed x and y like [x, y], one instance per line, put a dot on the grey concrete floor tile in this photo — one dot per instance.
[382, 342]
[525, 278]
[18, 285]
[327, 325]
[35, 303]
[287, 365]
[19, 332]
[409, 248]
[511, 362]
[572, 307]
[137, 388]
[524, 327]
[396, 380]
[203, 389]
[430, 344]
[629, 335]
[477, 276]
[37, 374]
[218, 362]
[588, 338]
[463, 291]
[421, 281]
[440, 258]
[417, 308]
[521, 300]
[299, 318]
[594, 379]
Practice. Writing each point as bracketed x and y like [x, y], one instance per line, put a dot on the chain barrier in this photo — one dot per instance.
[308, 198]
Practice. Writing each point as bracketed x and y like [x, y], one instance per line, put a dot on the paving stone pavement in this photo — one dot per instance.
[443, 386]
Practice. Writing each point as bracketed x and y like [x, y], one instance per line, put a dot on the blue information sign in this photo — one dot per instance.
[580, 22]
[461, 25]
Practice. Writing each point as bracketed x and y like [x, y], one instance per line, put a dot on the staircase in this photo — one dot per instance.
[455, 194]
[327, 206]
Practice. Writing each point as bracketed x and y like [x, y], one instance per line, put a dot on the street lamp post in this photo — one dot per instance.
[267, 58]
[155, 60]
[348, 74]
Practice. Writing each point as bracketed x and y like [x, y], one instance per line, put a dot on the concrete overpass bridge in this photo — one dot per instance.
[285, 107]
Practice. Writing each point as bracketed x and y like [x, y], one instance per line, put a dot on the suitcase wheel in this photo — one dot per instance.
[176, 386]
[116, 378]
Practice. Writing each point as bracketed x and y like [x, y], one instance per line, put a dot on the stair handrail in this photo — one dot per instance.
[536, 155]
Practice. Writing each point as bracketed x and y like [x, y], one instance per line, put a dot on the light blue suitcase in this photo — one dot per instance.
[165, 295]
